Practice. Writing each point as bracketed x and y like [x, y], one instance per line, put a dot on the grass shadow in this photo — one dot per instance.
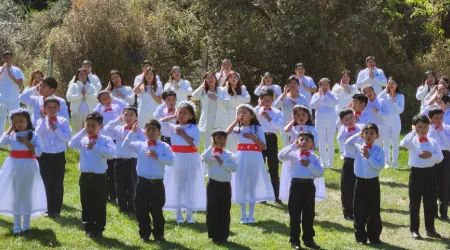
[70, 221]
[283, 206]
[6, 223]
[272, 226]
[67, 208]
[333, 185]
[398, 211]
[337, 170]
[113, 243]
[233, 245]
[394, 184]
[335, 226]
[392, 225]
[46, 237]
[172, 245]
[386, 246]
[197, 226]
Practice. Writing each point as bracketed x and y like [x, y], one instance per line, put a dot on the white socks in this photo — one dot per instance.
[251, 210]
[17, 223]
[26, 222]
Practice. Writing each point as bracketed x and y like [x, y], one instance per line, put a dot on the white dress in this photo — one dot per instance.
[285, 179]
[22, 190]
[251, 182]
[184, 181]
[147, 105]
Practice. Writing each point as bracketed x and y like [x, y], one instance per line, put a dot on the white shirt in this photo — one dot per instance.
[93, 160]
[276, 90]
[325, 105]
[363, 119]
[377, 82]
[139, 78]
[411, 142]
[309, 82]
[222, 80]
[54, 141]
[295, 130]
[94, 80]
[146, 103]
[13, 144]
[277, 122]
[343, 135]
[365, 168]
[184, 89]
[287, 106]
[447, 117]
[127, 91]
[116, 131]
[291, 155]
[442, 137]
[377, 118]
[396, 107]
[75, 97]
[117, 107]
[218, 172]
[423, 95]
[161, 112]
[212, 112]
[344, 98]
[190, 129]
[9, 90]
[259, 133]
[235, 101]
[147, 166]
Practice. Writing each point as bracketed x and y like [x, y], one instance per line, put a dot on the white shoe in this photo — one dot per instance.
[244, 220]
[17, 230]
[26, 228]
[329, 166]
[250, 220]
[190, 220]
[179, 220]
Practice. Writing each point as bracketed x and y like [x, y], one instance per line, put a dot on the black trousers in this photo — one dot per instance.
[126, 177]
[93, 196]
[348, 180]
[271, 153]
[366, 206]
[443, 184]
[112, 195]
[218, 207]
[302, 194]
[150, 199]
[422, 183]
[52, 168]
[166, 140]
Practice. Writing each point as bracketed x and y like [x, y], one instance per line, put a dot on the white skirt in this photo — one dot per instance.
[22, 190]
[251, 182]
[285, 184]
[185, 183]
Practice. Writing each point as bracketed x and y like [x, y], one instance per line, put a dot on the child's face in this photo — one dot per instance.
[245, 116]
[149, 77]
[300, 71]
[304, 143]
[171, 101]
[293, 85]
[267, 101]
[82, 76]
[348, 120]
[210, 81]
[51, 109]
[442, 89]
[45, 91]
[129, 117]
[369, 135]
[345, 78]
[92, 127]
[37, 77]
[301, 117]
[220, 141]
[325, 86]
[115, 79]
[106, 99]
[441, 104]
[357, 105]
[152, 133]
[437, 119]
[20, 122]
[369, 93]
[268, 80]
[184, 115]
[422, 128]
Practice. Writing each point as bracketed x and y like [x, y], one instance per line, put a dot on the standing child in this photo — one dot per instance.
[54, 132]
[149, 96]
[94, 149]
[167, 108]
[252, 183]
[305, 167]
[369, 161]
[22, 191]
[358, 104]
[184, 181]
[221, 163]
[152, 157]
[424, 154]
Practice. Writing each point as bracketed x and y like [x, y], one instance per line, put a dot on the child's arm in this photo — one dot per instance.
[110, 128]
[72, 95]
[167, 127]
[63, 131]
[207, 155]
[158, 114]
[63, 110]
[230, 163]
[120, 102]
[35, 145]
[75, 143]
[259, 140]
[129, 142]
[436, 155]
[91, 92]
[315, 167]
[331, 99]
[399, 104]
[341, 135]
[289, 126]
[278, 121]
[107, 150]
[193, 141]
[444, 134]
[376, 160]
[244, 97]
[198, 93]
[407, 141]
[288, 153]
[350, 143]
[167, 157]
[316, 100]
[28, 97]
[231, 127]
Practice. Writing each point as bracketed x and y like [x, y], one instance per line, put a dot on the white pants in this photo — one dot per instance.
[5, 107]
[392, 136]
[326, 131]
[78, 121]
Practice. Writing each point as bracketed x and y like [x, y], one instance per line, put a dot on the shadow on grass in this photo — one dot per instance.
[335, 226]
[272, 226]
[197, 226]
[337, 170]
[6, 223]
[393, 184]
[386, 246]
[392, 225]
[398, 211]
[67, 208]
[113, 243]
[233, 245]
[283, 206]
[70, 221]
[333, 185]
[46, 237]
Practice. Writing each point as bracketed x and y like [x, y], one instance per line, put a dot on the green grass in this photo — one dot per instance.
[270, 232]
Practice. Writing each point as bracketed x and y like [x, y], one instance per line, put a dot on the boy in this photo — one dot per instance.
[220, 163]
[369, 161]
[166, 109]
[348, 178]
[54, 132]
[441, 133]
[94, 149]
[424, 154]
[152, 157]
[359, 103]
[125, 160]
[272, 122]
[305, 167]
[371, 75]
[46, 89]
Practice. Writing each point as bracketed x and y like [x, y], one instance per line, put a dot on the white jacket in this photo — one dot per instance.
[74, 96]
[222, 100]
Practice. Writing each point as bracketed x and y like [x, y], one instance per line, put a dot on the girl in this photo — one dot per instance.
[444, 80]
[396, 104]
[177, 84]
[428, 87]
[214, 101]
[149, 96]
[266, 83]
[442, 89]
[35, 78]
[184, 182]
[238, 95]
[82, 96]
[118, 89]
[324, 102]
[301, 120]
[251, 183]
[22, 191]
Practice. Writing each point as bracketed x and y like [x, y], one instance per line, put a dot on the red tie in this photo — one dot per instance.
[151, 143]
[351, 129]
[265, 109]
[358, 113]
[53, 119]
[128, 127]
[437, 127]
[306, 153]
[423, 139]
[94, 137]
[169, 110]
[107, 109]
[369, 146]
[218, 150]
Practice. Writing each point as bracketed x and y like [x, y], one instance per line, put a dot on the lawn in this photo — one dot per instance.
[270, 232]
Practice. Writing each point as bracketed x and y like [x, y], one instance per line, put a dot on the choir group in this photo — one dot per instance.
[147, 157]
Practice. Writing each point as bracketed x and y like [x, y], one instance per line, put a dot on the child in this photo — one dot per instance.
[305, 167]
[179, 85]
[152, 157]
[267, 83]
[221, 163]
[371, 75]
[271, 120]
[344, 91]
[125, 160]
[348, 178]
[54, 132]
[94, 149]
[117, 88]
[46, 88]
[22, 191]
[167, 108]
[184, 181]
[324, 102]
[441, 101]
[358, 104]
[252, 183]
[441, 133]
[149, 96]
[424, 154]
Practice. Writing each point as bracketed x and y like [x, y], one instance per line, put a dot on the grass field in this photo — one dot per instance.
[270, 232]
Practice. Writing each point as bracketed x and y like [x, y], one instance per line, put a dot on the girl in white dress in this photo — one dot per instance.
[238, 95]
[149, 96]
[267, 83]
[251, 183]
[22, 191]
[117, 88]
[184, 182]
[177, 84]
[429, 87]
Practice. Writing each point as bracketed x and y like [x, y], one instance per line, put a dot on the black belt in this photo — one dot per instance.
[219, 182]
[299, 180]
[124, 159]
[150, 180]
[92, 175]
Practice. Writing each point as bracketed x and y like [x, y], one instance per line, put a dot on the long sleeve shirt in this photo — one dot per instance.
[309, 82]
[377, 82]
[75, 96]
[345, 133]
[161, 112]
[395, 107]
[276, 89]
[291, 155]
[442, 137]
[295, 130]
[423, 95]
[113, 111]
[415, 147]
[9, 90]
[184, 89]
[325, 105]
[287, 104]
[216, 171]
[372, 116]
[13, 144]
[127, 92]
[366, 168]
[344, 98]
[277, 122]
[54, 141]
[118, 132]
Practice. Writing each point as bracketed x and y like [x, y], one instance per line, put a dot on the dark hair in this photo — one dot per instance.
[420, 118]
[168, 93]
[345, 112]
[205, 85]
[102, 93]
[96, 116]
[27, 116]
[298, 65]
[435, 111]
[266, 92]
[153, 84]
[445, 79]
[361, 98]
[370, 126]
[430, 72]
[191, 110]
[370, 58]
[219, 132]
[7, 53]
[304, 109]
[292, 78]
[146, 62]
[397, 90]
[254, 121]
[306, 133]
[345, 72]
[50, 82]
[38, 71]
[130, 108]
[121, 79]
[86, 62]
[51, 99]
[444, 98]
[78, 73]
[176, 68]
[238, 85]
[153, 122]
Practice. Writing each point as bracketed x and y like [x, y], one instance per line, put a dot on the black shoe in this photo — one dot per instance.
[376, 242]
[145, 239]
[295, 245]
[56, 215]
[445, 218]
[349, 217]
[95, 235]
[416, 235]
[160, 240]
[433, 234]
[220, 241]
[311, 244]
[279, 202]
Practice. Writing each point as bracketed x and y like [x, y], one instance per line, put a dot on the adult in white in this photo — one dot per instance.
[35, 78]
[117, 88]
[149, 97]
[442, 88]
[225, 69]
[177, 84]
[82, 95]
[427, 89]
[145, 65]
[11, 78]
[93, 79]
[371, 75]
[306, 87]
[267, 83]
